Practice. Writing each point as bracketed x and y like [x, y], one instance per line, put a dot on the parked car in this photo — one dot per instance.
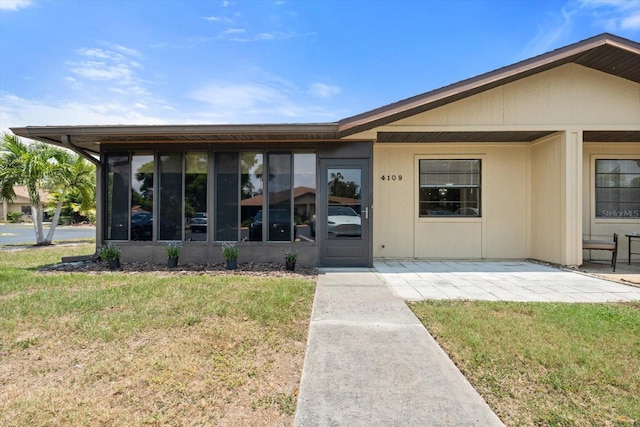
[198, 223]
[468, 212]
[279, 226]
[141, 225]
[341, 221]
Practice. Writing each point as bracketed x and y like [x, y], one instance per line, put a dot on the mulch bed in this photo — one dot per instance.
[219, 269]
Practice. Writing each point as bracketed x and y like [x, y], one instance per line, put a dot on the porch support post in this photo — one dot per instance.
[572, 199]
[100, 191]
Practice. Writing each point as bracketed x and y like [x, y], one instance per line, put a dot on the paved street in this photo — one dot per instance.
[23, 233]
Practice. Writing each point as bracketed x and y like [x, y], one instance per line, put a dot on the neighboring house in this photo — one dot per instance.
[21, 203]
[521, 162]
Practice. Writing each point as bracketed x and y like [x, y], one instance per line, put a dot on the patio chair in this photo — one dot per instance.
[604, 245]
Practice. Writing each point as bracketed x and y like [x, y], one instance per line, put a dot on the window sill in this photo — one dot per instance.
[450, 219]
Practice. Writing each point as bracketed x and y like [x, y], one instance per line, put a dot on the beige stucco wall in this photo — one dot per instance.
[6, 208]
[502, 232]
[603, 228]
[536, 199]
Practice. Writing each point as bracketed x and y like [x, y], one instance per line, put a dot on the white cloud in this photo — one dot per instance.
[16, 112]
[322, 90]
[14, 5]
[613, 16]
[126, 51]
[235, 96]
[275, 102]
[116, 65]
[265, 36]
[631, 22]
[234, 31]
[101, 71]
[221, 19]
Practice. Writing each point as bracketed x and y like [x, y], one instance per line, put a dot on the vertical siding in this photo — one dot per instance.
[570, 95]
[394, 205]
[546, 199]
[502, 232]
[506, 204]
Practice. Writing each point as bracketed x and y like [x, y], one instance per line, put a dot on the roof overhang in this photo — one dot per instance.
[90, 138]
[606, 53]
[501, 136]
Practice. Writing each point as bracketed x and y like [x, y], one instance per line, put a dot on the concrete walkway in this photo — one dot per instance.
[370, 362]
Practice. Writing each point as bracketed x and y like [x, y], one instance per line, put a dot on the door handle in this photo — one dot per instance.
[366, 212]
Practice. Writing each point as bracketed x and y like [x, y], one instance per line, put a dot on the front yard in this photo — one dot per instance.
[101, 348]
[197, 347]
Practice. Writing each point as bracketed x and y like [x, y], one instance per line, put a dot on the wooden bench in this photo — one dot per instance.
[604, 245]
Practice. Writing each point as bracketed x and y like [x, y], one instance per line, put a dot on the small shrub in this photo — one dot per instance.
[290, 255]
[173, 249]
[15, 217]
[65, 220]
[109, 252]
[230, 251]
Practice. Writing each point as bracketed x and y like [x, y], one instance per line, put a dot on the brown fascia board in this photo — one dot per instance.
[101, 130]
[25, 132]
[64, 135]
[468, 87]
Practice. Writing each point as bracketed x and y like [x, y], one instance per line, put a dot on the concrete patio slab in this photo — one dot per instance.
[498, 281]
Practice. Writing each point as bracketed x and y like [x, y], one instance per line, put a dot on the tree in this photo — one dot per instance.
[73, 182]
[38, 167]
[341, 188]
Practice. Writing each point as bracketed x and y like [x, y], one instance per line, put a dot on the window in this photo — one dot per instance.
[252, 194]
[227, 200]
[450, 188]
[142, 196]
[247, 188]
[344, 198]
[284, 225]
[618, 188]
[279, 214]
[304, 194]
[170, 203]
[195, 196]
[117, 203]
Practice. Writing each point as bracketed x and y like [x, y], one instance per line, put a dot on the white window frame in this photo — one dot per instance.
[592, 190]
[452, 218]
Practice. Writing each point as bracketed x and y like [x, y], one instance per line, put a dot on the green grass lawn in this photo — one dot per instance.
[118, 348]
[543, 364]
[146, 348]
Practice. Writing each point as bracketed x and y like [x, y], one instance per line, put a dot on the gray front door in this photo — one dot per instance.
[343, 220]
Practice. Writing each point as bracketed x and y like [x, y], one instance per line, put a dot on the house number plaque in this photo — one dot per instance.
[391, 177]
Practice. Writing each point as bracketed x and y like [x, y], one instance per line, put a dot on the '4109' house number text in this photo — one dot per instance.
[391, 178]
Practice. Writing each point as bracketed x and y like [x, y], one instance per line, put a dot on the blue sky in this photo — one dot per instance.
[66, 62]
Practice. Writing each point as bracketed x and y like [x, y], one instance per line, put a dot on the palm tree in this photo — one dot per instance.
[40, 166]
[73, 173]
